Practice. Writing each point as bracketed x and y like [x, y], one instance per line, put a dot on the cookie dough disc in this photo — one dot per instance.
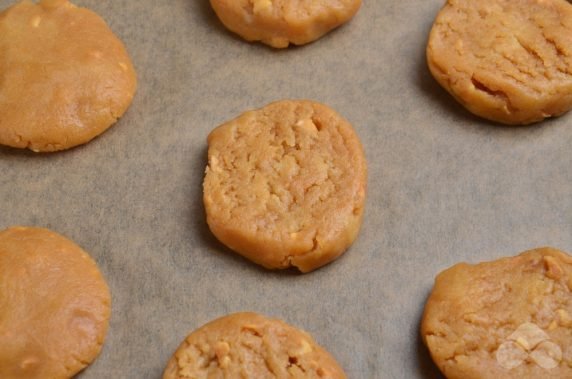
[248, 345]
[64, 77]
[285, 185]
[511, 318]
[280, 22]
[505, 60]
[54, 306]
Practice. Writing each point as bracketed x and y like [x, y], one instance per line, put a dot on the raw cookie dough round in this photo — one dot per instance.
[285, 185]
[64, 77]
[280, 22]
[504, 60]
[248, 345]
[511, 318]
[54, 305]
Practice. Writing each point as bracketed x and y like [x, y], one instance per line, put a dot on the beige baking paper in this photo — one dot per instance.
[444, 186]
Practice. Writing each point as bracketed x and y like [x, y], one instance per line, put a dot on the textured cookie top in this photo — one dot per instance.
[511, 318]
[285, 184]
[248, 345]
[505, 60]
[64, 76]
[54, 306]
[280, 22]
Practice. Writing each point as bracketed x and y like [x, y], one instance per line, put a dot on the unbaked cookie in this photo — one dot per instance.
[285, 185]
[248, 345]
[505, 60]
[279, 23]
[64, 77]
[54, 306]
[511, 318]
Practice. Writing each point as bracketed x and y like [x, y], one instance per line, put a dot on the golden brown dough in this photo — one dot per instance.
[248, 345]
[285, 185]
[64, 77]
[54, 306]
[280, 22]
[505, 60]
[511, 318]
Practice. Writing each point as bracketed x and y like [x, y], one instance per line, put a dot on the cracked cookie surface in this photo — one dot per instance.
[251, 346]
[64, 76]
[279, 23]
[504, 60]
[285, 185]
[54, 305]
[510, 318]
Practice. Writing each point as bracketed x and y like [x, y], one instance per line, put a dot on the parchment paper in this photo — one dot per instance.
[444, 186]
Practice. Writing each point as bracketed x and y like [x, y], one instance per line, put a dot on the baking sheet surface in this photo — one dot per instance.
[444, 186]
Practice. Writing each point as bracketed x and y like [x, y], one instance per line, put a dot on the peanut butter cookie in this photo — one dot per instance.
[285, 185]
[504, 60]
[54, 306]
[64, 77]
[248, 345]
[511, 318]
[279, 23]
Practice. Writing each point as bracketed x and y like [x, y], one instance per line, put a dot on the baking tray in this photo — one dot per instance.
[444, 186]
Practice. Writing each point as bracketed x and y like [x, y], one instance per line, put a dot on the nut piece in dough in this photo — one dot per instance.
[504, 60]
[248, 345]
[279, 23]
[71, 82]
[285, 185]
[54, 305]
[502, 319]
